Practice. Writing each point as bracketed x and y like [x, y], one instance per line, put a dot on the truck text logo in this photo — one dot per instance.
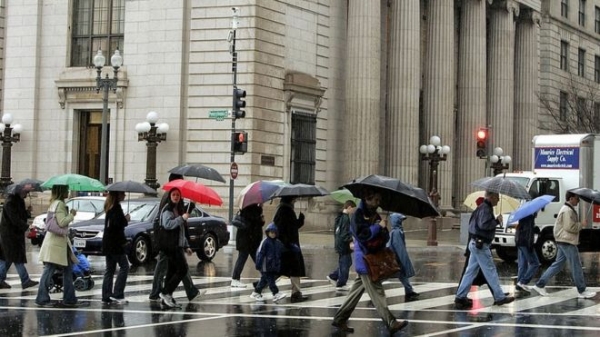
[556, 158]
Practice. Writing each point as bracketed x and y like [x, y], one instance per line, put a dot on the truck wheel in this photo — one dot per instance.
[507, 255]
[547, 249]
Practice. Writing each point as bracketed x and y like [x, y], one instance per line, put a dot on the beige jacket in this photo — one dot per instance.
[567, 226]
[56, 248]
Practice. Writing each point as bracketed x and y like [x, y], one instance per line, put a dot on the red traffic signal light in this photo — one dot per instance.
[482, 142]
[240, 142]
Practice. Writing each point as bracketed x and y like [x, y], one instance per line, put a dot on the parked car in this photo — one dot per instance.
[207, 233]
[87, 208]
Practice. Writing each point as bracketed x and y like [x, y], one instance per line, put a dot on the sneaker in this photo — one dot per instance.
[168, 300]
[332, 281]
[107, 301]
[522, 287]
[343, 288]
[154, 299]
[278, 296]
[505, 300]
[539, 290]
[587, 294]
[119, 300]
[256, 296]
[238, 284]
[29, 284]
[198, 295]
[4, 285]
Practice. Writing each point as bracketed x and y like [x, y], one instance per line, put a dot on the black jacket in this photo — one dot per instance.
[12, 230]
[114, 240]
[525, 232]
[342, 234]
[248, 238]
[288, 225]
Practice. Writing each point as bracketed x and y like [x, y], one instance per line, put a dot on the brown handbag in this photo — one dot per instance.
[381, 264]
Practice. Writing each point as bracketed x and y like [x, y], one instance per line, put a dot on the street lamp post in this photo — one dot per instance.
[498, 162]
[433, 152]
[152, 134]
[106, 84]
[10, 134]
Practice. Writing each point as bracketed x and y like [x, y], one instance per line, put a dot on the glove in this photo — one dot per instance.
[301, 216]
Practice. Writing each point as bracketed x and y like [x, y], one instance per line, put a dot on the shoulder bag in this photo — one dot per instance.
[381, 264]
[53, 227]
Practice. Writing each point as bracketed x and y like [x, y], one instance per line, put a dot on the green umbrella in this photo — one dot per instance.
[76, 182]
[343, 195]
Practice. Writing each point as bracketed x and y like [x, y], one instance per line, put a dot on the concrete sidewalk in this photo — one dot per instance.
[416, 238]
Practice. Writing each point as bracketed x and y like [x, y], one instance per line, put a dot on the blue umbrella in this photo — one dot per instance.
[530, 207]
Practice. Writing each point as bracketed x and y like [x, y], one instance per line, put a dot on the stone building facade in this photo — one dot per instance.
[336, 88]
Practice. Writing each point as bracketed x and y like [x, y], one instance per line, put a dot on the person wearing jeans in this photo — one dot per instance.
[528, 262]
[113, 247]
[482, 228]
[566, 234]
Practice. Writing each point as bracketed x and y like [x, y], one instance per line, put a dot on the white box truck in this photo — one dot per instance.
[560, 163]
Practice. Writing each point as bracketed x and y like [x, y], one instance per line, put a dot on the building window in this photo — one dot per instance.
[582, 13]
[564, 55]
[564, 106]
[304, 141]
[97, 24]
[597, 69]
[581, 62]
[581, 111]
[597, 20]
[596, 116]
[564, 8]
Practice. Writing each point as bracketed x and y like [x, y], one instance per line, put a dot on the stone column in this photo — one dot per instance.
[363, 89]
[472, 82]
[500, 103]
[439, 89]
[527, 85]
[404, 73]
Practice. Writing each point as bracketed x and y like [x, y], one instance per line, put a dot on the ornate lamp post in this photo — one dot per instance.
[10, 134]
[152, 134]
[433, 152]
[498, 162]
[106, 84]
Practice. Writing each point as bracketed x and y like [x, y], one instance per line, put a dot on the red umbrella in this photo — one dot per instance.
[195, 192]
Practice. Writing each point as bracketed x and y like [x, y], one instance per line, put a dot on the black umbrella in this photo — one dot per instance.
[35, 185]
[198, 171]
[587, 194]
[300, 191]
[130, 186]
[396, 196]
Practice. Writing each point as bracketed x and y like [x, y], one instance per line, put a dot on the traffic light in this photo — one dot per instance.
[239, 103]
[482, 142]
[240, 142]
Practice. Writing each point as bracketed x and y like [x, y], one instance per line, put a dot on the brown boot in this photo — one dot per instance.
[397, 326]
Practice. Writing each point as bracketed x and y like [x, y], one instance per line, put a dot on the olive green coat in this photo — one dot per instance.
[55, 248]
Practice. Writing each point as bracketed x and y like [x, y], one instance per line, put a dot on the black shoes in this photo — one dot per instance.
[411, 296]
[343, 327]
[505, 300]
[463, 303]
[4, 285]
[298, 297]
[399, 325]
[29, 284]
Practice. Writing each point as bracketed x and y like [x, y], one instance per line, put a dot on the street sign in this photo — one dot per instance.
[233, 170]
[219, 115]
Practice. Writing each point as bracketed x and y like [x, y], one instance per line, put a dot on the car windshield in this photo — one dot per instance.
[138, 210]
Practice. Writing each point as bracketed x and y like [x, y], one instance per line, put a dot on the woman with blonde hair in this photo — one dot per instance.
[113, 247]
[56, 251]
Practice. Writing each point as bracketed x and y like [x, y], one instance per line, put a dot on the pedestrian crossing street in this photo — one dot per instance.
[435, 296]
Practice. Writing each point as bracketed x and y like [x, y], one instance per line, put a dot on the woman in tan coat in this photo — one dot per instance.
[56, 252]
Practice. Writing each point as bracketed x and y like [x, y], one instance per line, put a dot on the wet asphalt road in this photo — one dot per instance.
[226, 312]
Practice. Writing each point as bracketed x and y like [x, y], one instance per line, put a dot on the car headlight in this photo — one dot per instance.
[511, 230]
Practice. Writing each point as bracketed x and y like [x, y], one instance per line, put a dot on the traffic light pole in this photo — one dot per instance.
[233, 118]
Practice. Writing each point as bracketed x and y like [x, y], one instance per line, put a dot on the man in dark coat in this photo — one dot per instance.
[12, 237]
[248, 238]
[292, 260]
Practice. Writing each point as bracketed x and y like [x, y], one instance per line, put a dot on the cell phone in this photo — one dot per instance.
[478, 243]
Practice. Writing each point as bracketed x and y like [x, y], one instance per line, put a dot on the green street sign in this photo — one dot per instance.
[219, 115]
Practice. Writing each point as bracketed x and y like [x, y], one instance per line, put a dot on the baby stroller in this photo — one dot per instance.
[82, 275]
